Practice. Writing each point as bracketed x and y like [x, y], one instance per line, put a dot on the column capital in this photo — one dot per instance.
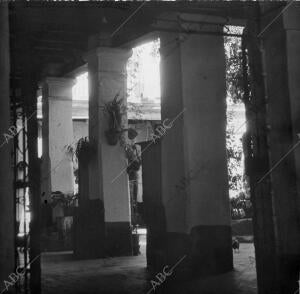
[174, 21]
[56, 81]
[109, 58]
[60, 88]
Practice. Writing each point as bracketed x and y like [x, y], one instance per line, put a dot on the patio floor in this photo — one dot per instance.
[62, 274]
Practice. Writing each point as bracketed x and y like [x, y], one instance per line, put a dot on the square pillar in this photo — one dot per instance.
[57, 132]
[281, 44]
[108, 180]
[194, 161]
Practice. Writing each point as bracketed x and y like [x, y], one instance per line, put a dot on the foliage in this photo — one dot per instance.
[134, 66]
[66, 200]
[234, 69]
[235, 92]
[234, 157]
[82, 149]
[136, 109]
[241, 206]
[115, 111]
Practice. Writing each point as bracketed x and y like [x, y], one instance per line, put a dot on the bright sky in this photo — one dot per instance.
[143, 75]
[80, 90]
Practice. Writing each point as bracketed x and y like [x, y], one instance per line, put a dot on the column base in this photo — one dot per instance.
[155, 252]
[118, 239]
[207, 250]
[289, 273]
[211, 249]
[89, 230]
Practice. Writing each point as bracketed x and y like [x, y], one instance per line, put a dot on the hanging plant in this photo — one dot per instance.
[115, 111]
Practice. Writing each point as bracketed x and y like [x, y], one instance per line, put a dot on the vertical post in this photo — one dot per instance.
[261, 194]
[34, 186]
[7, 229]
[29, 86]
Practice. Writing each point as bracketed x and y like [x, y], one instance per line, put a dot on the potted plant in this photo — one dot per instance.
[115, 110]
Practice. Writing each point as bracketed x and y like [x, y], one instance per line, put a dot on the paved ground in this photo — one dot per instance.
[61, 274]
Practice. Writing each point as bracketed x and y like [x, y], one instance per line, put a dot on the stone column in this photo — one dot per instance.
[194, 164]
[7, 229]
[108, 177]
[281, 44]
[57, 130]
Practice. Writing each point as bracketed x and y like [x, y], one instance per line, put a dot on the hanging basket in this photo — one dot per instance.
[112, 137]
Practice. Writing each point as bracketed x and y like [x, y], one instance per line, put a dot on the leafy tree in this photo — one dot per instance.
[234, 86]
